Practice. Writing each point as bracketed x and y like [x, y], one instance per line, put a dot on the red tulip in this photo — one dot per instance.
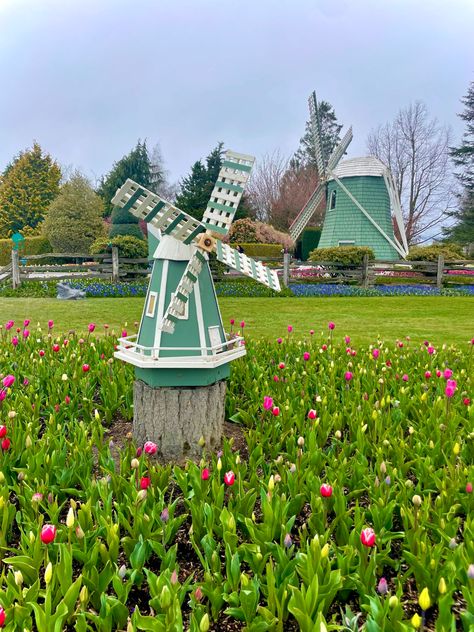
[205, 474]
[275, 411]
[56, 348]
[67, 399]
[145, 482]
[469, 488]
[367, 537]
[85, 368]
[324, 347]
[326, 490]
[232, 321]
[2, 617]
[3, 431]
[229, 478]
[281, 365]
[150, 447]
[312, 414]
[41, 352]
[6, 443]
[48, 533]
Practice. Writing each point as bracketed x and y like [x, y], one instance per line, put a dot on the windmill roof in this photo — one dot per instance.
[364, 166]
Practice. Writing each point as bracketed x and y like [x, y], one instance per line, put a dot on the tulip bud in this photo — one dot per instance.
[70, 519]
[84, 595]
[456, 449]
[28, 442]
[416, 500]
[442, 588]
[204, 625]
[325, 551]
[393, 601]
[79, 532]
[18, 578]
[271, 484]
[424, 599]
[48, 573]
[219, 464]
[202, 442]
[165, 597]
[416, 621]
[134, 464]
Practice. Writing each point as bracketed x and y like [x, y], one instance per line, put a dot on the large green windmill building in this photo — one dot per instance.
[361, 200]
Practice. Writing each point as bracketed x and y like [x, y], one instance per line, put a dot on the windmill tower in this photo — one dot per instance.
[182, 353]
[360, 199]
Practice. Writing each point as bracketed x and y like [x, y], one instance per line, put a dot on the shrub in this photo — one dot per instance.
[250, 232]
[131, 230]
[244, 230]
[261, 250]
[31, 246]
[122, 216]
[349, 255]
[128, 246]
[431, 253]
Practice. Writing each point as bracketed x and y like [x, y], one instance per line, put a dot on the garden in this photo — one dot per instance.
[341, 497]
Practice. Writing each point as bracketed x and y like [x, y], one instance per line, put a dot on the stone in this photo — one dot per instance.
[176, 418]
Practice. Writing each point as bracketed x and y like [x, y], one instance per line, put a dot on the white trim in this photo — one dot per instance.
[396, 208]
[214, 333]
[150, 311]
[200, 317]
[161, 304]
[184, 316]
[346, 242]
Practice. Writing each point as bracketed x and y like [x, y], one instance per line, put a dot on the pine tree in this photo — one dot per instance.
[196, 188]
[74, 220]
[462, 230]
[330, 136]
[28, 186]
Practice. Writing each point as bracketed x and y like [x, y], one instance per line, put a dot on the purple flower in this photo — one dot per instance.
[382, 587]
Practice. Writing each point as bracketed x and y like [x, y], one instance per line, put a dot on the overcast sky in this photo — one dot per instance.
[87, 78]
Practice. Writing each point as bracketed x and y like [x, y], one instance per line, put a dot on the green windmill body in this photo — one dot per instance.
[360, 200]
[181, 340]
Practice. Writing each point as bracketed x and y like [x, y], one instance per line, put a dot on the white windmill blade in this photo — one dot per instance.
[339, 151]
[246, 265]
[307, 212]
[227, 192]
[166, 217]
[315, 123]
[396, 208]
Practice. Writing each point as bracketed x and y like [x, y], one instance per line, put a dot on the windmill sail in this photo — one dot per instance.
[307, 212]
[316, 130]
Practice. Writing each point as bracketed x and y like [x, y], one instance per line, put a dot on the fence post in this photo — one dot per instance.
[115, 264]
[365, 271]
[286, 268]
[15, 270]
[439, 271]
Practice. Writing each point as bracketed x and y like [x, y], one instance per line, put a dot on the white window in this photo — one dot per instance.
[151, 305]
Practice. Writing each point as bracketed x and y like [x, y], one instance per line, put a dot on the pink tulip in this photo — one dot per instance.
[347, 340]
[331, 326]
[279, 340]
[145, 482]
[438, 373]
[26, 381]
[3, 617]
[466, 401]
[305, 356]
[50, 324]
[15, 341]
[469, 488]
[427, 375]
[275, 411]
[9, 324]
[430, 350]
[3, 431]
[26, 322]
[41, 353]
[56, 348]
[85, 368]
[324, 347]
[229, 478]
[6, 443]
[326, 490]
[205, 473]
[91, 327]
[367, 537]
[48, 533]
[242, 324]
[67, 399]
[150, 447]
[8, 380]
[449, 391]
[276, 378]
[3, 394]
[311, 332]
[348, 376]
[267, 402]
[382, 587]
[312, 414]
[124, 333]
[405, 377]
[232, 321]
[290, 329]
[26, 333]
[447, 374]
[281, 365]
[375, 353]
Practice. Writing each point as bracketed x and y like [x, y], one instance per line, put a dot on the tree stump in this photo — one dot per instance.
[176, 418]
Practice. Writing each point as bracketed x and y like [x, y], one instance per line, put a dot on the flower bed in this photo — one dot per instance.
[340, 289]
[345, 497]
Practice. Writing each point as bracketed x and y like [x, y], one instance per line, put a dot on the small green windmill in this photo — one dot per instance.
[181, 342]
[360, 199]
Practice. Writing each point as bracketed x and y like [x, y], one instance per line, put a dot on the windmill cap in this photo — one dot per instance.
[365, 166]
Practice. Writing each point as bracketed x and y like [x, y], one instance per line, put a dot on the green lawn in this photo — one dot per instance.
[439, 319]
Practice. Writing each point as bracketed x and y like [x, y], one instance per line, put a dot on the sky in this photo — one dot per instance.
[88, 78]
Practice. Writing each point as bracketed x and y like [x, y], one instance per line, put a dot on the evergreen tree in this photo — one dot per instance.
[196, 189]
[462, 230]
[74, 219]
[28, 186]
[330, 135]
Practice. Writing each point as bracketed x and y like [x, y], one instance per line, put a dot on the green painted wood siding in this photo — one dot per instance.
[347, 223]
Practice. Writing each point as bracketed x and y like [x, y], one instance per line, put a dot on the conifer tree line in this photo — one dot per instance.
[37, 199]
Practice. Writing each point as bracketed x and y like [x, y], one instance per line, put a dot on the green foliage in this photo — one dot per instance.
[262, 250]
[132, 230]
[128, 246]
[196, 188]
[350, 255]
[450, 252]
[249, 231]
[31, 246]
[330, 130]
[137, 166]
[122, 216]
[307, 242]
[74, 219]
[27, 188]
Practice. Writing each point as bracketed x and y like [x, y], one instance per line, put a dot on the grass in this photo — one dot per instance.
[439, 319]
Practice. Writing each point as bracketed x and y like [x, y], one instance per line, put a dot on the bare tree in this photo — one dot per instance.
[416, 149]
[297, 185]
[263, 188]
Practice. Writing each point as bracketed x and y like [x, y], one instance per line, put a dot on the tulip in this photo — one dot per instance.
[26, 333]
[70, 518]
[50, 324]
[279, 340]
[48, 573]
[165, 515]
[205, 473]
[8, 381]
[312, 414]
[150, 447]
[347, 340]
[324, 347]
[442, 588]
[382, 587]
[290, 329]
[416, 620]
[267, 402]
[48, 533]
[3, 431]
[91, 327]
[306, 356]
[232, 321]
[348, 376]
[242, 324]
[67, 399]
[326, 490]
[15, 341]
[229, 478]
[311, 332]
[56, 348]
[275, 411]
[9, 324]
[331, 326]
[405, 377]
[367, 537]
[276, 378]
[281, 365]
[431, 350]
[85, 368]
[287, 541]
[375, 355]
[424, 599]
[427, 375]
[469, 488]
[6, 443]
[447, 374]
[37, 497]
[470, 571]
[466, 401]
[145, 482]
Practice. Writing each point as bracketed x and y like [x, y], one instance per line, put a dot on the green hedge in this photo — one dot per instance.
[31, 246]
[450, 252]
[260, 250]
[128, 246]
[122, 216]
[133, 230]
[350, 255]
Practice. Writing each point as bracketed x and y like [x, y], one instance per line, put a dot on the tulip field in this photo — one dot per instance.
[341, 498]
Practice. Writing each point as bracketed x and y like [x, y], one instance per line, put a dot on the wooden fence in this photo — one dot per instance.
[111, 266]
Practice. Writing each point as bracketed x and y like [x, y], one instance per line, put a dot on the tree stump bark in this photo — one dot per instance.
[176, 418]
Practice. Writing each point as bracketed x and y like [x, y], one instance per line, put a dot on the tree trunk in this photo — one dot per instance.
[176, 418]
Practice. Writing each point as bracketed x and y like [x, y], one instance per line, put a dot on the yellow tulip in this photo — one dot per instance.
[416, 621]
[424, 599]
[48, 573]
[442, 588]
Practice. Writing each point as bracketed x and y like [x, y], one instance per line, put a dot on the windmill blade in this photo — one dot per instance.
[307, 212]
[182, 292]
[148, 206]
[227, 192]
[315, 123]
[246, 265]
[339, 151]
